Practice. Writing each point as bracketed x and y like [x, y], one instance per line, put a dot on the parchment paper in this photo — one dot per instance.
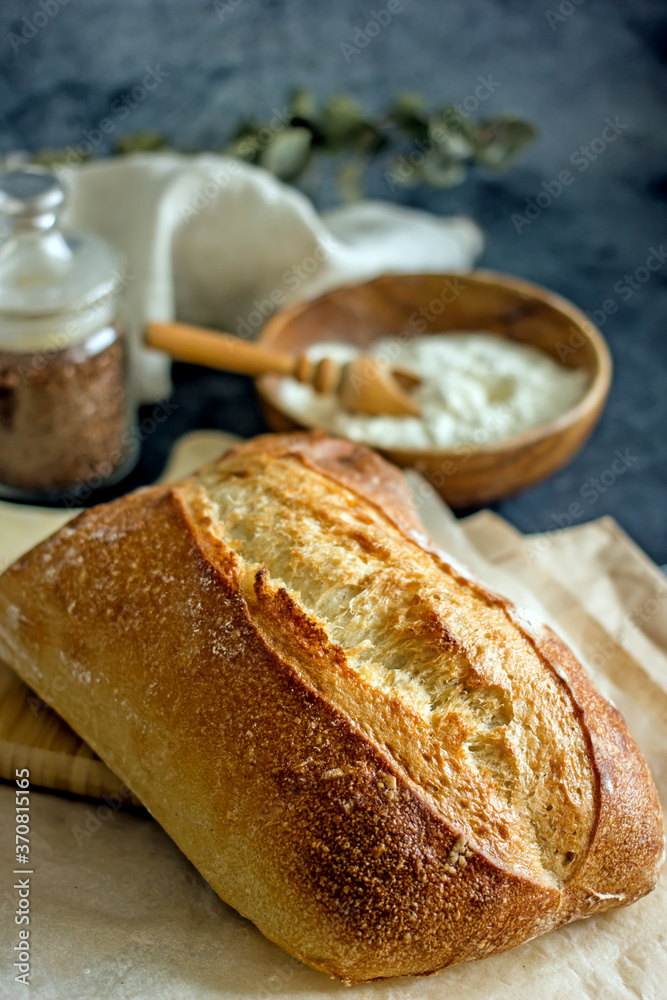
[118, 912]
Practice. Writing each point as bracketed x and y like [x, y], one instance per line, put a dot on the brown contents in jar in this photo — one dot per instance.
[63, 415]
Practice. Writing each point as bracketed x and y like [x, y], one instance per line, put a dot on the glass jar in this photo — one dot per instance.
[67, 415]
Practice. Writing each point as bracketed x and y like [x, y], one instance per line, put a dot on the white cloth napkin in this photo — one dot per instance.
[214, 241]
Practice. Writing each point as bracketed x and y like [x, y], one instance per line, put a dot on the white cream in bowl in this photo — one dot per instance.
[476, 388]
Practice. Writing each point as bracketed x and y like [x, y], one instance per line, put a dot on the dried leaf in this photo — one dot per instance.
[246, 143]
[244, 148]
[409, 114]
[459, 121]
[140, 142]
[442, 171]
[450, 139]
[500, 141]
[302, 105]
[288, 153]
[53, 157]
[342, 120]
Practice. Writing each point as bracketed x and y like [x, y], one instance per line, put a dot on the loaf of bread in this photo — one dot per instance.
[385, 766]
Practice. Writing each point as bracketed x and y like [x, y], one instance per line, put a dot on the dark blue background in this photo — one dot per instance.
[601, 60]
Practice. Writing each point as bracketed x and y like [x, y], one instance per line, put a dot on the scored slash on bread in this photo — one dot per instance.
[385, 766]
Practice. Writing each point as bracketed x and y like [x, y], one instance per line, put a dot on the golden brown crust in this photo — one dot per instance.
[299, 788]
[627, 844]
[352, 466]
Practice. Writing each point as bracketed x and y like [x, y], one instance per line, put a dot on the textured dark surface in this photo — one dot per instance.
[600, 61]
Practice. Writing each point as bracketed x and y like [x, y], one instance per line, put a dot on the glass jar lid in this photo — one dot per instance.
[44, 271]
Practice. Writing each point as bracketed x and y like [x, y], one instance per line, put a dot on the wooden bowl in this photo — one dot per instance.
[411, 304]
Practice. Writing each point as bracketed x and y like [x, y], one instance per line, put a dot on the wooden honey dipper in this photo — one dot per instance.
[362, 385]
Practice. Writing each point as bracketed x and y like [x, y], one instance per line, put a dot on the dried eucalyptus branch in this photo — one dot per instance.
[415, 146]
